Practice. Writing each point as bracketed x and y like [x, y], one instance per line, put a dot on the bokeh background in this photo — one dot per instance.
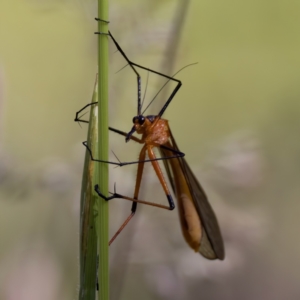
[236, 117]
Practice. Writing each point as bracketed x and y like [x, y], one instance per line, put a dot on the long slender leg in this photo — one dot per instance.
[179, 153]
[116, 195]
[77, 118]
[121, 164]
[134, 70]
[140, 172]
[142, 160]
[137, 188]
[179, 84]
[133, 210]
[132, 67]
[157, 169]
[160, 176]
[136, 193]
[132, 64]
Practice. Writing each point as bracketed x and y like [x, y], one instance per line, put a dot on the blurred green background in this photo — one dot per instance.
[236, 117]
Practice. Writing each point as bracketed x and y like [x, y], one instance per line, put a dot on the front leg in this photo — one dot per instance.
[116, 195]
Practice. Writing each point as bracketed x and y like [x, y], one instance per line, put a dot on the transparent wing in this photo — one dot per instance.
[211, 246]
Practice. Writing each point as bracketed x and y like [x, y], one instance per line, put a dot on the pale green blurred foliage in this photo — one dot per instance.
[236, 117]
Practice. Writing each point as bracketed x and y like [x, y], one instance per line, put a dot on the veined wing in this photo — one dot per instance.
[211, 244]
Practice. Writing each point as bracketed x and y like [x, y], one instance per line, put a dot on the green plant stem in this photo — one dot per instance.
[88, 211]
[102, 219]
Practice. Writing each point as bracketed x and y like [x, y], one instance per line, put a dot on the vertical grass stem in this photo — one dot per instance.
[102, 172]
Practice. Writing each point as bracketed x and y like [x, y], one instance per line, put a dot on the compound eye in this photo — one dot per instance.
[141, 120]
[135, 119]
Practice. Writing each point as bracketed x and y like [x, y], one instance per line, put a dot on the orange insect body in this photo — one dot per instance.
[154, 135]
[198, 222]
[189, 218]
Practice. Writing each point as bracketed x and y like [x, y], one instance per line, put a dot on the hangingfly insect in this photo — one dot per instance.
[198, 222]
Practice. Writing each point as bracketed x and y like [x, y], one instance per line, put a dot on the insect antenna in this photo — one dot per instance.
[166, 84]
